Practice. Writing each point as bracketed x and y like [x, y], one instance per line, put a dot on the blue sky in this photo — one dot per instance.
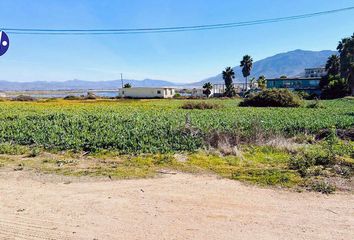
[180, 57]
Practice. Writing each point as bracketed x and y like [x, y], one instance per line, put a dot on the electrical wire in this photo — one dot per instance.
[121, 31]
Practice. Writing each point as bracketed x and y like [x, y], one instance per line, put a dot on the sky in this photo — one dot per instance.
[179, 57]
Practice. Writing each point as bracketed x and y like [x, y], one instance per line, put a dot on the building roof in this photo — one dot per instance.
[293, 79]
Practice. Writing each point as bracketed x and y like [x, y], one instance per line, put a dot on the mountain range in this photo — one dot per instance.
[291, 64]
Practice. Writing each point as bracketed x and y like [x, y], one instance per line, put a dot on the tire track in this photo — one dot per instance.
[27, 228]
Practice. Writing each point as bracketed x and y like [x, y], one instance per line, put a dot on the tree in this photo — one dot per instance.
[228, 75]
[246, 64]
[207, 88]
[333, 65]
[262, 82]
[346, 54]
[332, 68]
[283, 77]
[337, 88]
[253, 83]
[127, 85]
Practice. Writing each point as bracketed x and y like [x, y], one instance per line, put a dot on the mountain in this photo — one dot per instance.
[291, 64]
[80, 85]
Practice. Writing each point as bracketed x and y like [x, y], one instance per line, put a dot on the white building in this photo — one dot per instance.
[2, 94]
[315, 72]
[197, 92]
[142, 92]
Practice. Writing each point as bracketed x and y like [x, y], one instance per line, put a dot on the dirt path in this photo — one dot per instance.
[171, 207]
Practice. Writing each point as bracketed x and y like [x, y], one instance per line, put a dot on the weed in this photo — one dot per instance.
[322, 187]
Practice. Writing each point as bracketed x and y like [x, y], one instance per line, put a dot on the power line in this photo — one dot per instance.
[34, 31]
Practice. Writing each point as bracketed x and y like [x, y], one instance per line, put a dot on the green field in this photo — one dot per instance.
[154, 126]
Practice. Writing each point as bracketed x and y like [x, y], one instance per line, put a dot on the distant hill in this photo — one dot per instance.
[80, 85]
[291, 64]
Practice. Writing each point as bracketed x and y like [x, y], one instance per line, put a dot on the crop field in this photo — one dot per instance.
[154, 126]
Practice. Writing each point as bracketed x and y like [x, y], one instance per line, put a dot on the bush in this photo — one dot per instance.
[313, 156]
[200, 105]
[12, 149]
[273, 98]
[91, 96]
[336, 88]
[72, 97]
[24, 98]
[316, 104]
[323, 187]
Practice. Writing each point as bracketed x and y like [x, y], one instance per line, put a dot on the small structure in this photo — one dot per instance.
[197, 92]
[142, 92]
[2, 95]
[315, 72]
[309, 85]
[219, 89]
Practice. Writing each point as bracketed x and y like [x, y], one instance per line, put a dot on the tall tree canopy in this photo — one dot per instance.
[228, 75]
[246, 64]
[127, 85]
[333, 65]
[346, 53]
[207, 88]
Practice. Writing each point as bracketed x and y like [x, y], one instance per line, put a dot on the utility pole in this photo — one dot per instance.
[121, 78]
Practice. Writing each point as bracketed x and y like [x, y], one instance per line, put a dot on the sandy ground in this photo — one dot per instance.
[170, 207]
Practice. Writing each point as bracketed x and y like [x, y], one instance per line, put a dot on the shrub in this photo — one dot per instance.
[273, 98]
[91, 96]
[316, 104]
[336, 88]
[322, 187]
[12, 149]
[200, 105]
[313, 156]
[72, 97]
[24, 98]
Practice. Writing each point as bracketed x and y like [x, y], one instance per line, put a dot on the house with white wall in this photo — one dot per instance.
[143, 92]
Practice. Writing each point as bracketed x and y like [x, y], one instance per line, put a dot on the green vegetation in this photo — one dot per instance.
[273, 98]
[339, 81]
[154, 126]
[200, 105]
[24, 98]
[207, 88]
[127, 85]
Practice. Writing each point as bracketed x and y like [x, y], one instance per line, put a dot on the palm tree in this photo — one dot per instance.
[207, 88]
[246, 64]
[127, 85]
[228, 75]
[346, 54]
[333, 65]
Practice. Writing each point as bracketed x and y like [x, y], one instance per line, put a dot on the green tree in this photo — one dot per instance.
[333, 65]
[228, 75]
[127, 85]
[262, 82]
[207, 88]
[283, 77]
[337, 88]
[246, 64]
[346, 54]
[332, 68]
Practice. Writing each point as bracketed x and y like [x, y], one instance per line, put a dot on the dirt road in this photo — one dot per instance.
[171, 207]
